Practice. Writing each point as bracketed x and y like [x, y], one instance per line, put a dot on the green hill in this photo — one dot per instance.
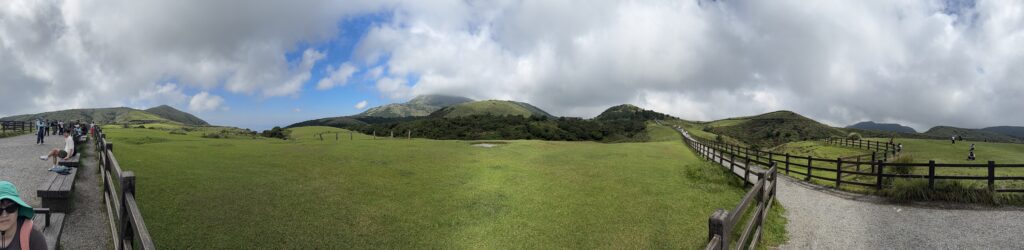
[884, 127]
[100, 116]
[628, 111]
[420, 106]
[771, 129]
[173, 114]
[1012, 131]
[490, 107]
[970, 134]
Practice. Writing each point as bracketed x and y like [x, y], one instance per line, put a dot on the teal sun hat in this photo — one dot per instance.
[9, 192]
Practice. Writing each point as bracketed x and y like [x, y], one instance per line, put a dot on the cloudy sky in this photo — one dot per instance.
[258, 64]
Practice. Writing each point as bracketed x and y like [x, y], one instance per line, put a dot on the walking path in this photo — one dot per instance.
[86, 227]
[824, 218]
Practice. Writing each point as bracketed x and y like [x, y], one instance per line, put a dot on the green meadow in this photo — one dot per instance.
[250, 192]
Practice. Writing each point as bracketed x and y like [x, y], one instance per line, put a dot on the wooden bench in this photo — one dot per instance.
[72, 162]
[50, 224]
[56, 191]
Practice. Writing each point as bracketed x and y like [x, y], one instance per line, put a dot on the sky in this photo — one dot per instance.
[258, 64]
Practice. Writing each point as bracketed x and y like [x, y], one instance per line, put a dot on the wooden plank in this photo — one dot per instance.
[53, 232]
[135, 218]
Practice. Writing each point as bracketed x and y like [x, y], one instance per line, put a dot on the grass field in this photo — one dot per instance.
[389, 193]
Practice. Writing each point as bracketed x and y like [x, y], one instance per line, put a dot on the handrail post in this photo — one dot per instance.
[931, 174]
[127, 187]
[881, 171]
[839, 171]
[746, 172]
[808, 177]
[991, 175]
[787, 163]
[732, 163]
[873, 161]
[717, 226]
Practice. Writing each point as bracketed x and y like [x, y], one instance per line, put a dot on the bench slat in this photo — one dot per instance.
[51, 233]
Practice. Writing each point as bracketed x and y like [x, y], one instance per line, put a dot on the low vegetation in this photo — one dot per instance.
[397, 193]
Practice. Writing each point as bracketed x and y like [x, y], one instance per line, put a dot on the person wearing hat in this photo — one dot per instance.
[16, 230]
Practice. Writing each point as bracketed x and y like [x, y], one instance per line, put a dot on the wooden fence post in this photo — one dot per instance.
[787, 163]
[717, 226]
[881, 171]
[746, 172]
[839, 171]
[732, 163]
[127, 187]
[931, 174]
[809, 160]
[873, 161]
[991, 175]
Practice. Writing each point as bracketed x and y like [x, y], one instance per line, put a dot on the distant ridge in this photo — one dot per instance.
[173, 114]
[885, 127]
[120, 115]
[970, 134]
[420, 106]
[491, 107]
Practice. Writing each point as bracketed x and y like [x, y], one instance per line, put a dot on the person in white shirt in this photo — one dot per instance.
[63, 154]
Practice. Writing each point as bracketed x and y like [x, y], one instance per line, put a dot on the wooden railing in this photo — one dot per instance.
[886, 149]
[126, 224]
[756, 203]
[873, 173]
[16, 126]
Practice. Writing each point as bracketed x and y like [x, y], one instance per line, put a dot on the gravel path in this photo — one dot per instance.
[20, 164]
[86, 227]
[824, 218]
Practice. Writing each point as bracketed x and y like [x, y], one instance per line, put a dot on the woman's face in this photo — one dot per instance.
[7, 220]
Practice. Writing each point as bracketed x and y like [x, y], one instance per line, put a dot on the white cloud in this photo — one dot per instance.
[297, 110]
[206, 102]
[841, 62]
[361, 105]
[337, 76]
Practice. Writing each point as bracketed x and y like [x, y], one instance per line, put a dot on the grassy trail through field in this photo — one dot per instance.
[823, 218]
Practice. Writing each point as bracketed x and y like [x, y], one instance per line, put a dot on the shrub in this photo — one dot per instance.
[853, 136]
[214, 135]
[178, 132]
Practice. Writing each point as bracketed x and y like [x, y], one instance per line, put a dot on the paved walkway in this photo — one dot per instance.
[824, 218]
[86, 227]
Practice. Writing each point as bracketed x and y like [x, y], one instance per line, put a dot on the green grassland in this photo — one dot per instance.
[250, 192]
[817, 149]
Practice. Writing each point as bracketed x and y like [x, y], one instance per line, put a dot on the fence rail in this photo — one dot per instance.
[858, 170]
[126, 224]
[16, 126]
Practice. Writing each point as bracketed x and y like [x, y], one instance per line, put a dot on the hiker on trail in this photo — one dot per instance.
[972, 147]
[63, 154]
[953, 139]
[899, 148]
[40, 130]
[970, 157]
[16, 221]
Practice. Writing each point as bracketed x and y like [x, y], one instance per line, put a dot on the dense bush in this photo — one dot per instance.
[276, 132]
[513, 127]
[853, 136]
[178, 132]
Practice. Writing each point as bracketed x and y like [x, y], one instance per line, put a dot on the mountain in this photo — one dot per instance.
[970, 134]
[420, 106]
[772, 128]
[99, 115]
[628, 111]
[490, 107]
[886, 127]
[1013, 131]
[169, 113]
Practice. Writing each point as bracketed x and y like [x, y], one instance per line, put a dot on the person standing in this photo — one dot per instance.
[40, 131]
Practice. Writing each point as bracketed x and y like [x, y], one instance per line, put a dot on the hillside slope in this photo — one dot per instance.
[1012, 131]
[772, 128]
[99, 115]
[170, 113]
[420, 106]
[490, 107]
[884, 127]
[970, 134]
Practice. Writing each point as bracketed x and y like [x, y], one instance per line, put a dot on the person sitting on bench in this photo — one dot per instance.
[970, 157]
[63, 154]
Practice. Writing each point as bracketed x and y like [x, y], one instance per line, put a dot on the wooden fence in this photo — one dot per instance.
[887, 149]
[126, 224]
[756, 203]
[16, 126]
[873, 174]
